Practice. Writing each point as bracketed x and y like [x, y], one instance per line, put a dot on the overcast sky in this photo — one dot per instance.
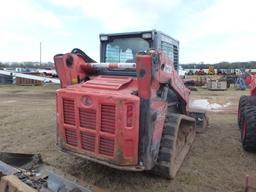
[208, 30]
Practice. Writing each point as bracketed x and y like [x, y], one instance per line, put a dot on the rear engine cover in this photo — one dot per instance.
[99, 122]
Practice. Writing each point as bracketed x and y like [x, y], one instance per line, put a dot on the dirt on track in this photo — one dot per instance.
[216, 161]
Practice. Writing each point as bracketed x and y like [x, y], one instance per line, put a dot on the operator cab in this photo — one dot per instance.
[123, 47]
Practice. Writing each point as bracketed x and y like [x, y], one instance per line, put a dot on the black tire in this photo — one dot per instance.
[248, 132]
[243, 101]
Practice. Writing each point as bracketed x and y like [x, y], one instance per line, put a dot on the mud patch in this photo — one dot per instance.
[8, 101]
[206, 105]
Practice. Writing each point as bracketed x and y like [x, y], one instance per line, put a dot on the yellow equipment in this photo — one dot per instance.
[211, 70]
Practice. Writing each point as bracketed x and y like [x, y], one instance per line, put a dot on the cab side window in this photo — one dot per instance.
[167, 48]
[171, 51]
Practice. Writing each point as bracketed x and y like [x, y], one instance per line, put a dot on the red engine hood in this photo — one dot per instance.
[107, 82]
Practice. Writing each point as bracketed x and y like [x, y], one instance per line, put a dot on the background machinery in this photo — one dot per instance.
[211, 70]
[130, 111]
[247, 117]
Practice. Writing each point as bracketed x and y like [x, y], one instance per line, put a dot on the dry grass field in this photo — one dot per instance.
[216, 161]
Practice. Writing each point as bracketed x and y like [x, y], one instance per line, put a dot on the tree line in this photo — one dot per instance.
[222, 65]
[27, 64]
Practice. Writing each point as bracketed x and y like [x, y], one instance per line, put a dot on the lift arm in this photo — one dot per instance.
[73, 68]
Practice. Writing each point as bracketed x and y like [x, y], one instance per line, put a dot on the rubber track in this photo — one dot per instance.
[162, 167]
[249, 140]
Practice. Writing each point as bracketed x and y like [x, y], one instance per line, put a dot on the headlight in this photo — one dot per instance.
[147, 35]
[104, 38]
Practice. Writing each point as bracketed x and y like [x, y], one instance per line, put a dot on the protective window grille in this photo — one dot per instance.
[172, 52]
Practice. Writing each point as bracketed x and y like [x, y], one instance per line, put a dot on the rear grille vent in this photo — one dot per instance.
[71, 137]
[87, 118]
[106, 146]
[108, 114]
[69, 111]
[88, 141]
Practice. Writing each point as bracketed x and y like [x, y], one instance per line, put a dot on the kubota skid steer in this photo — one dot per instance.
[130, 111]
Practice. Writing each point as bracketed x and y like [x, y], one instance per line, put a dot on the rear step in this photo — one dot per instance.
[26, 172]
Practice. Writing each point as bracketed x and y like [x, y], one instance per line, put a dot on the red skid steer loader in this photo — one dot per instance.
[130, 111]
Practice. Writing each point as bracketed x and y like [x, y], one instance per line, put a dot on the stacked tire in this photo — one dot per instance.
[247, 122]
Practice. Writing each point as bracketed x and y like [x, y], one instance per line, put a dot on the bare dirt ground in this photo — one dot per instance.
[216, 161]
